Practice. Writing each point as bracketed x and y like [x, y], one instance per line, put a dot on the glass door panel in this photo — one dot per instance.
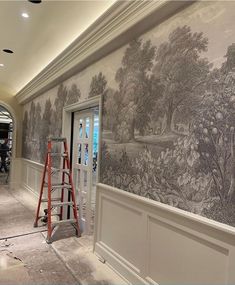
[85, 155]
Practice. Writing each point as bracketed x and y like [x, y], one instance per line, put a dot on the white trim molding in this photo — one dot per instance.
[31, 176]
[123, 21]
[79, 106]
[15, 125]
[152, 243]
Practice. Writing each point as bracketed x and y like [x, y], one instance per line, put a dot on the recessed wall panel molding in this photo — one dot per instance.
[169, 251]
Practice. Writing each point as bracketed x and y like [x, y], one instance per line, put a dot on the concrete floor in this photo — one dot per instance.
[25, 257]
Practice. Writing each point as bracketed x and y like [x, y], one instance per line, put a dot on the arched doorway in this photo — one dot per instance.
[6, 143]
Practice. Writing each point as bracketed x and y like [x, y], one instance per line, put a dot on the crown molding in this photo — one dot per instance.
[123, 21]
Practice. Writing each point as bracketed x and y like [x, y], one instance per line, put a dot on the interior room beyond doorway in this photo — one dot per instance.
[6, 131]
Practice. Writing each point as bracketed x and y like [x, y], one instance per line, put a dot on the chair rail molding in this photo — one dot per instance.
[118, 25]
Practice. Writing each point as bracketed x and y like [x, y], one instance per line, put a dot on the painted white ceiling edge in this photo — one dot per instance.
[36, 40]
[106, 34]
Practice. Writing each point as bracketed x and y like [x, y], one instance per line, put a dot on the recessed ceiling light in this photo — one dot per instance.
[25, 15]
[35, 1]
[1, 64]
[7, 50]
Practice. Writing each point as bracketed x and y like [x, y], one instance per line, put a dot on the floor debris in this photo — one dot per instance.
[6, 243]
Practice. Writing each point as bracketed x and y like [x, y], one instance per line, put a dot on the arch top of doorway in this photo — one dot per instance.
[13, 115]
[9, 109]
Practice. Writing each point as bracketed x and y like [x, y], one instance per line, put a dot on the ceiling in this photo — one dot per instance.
[51, 26]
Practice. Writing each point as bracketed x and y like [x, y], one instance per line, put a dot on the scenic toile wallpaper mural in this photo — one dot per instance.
[168, 126]
[43, 118]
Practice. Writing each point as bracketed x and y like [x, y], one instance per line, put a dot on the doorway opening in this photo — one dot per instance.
[85, 164]
[6, 137]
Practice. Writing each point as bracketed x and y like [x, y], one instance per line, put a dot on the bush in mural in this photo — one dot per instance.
[38, 125]
[170, 135]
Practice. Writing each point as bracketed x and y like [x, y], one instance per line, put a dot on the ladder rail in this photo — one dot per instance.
[49, 231]
[41, 192]
[75, 213]
[62, 191]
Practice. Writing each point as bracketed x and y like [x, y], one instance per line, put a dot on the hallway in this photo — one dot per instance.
[26, 258]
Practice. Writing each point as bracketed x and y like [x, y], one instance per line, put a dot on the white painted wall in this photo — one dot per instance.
[148, 242]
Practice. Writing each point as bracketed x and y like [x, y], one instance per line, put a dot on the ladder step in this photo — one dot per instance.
[67, 171]
[59, 154]
[59, 204]
[52, 199]
[54, 139]
[39, 217]
[58, 186]
[56, 223]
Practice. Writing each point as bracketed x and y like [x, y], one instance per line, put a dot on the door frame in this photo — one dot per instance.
[14, 147]
[67, 121]
[80, 168]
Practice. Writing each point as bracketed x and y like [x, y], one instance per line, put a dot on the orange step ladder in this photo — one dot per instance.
[66, 184]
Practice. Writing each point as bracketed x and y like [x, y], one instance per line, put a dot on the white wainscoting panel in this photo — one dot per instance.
[31, 175]
[31, 179]
[15, 172]
[179, 251]
[122, 240]
[151, 243]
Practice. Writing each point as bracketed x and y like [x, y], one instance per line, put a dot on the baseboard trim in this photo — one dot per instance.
[117, 265]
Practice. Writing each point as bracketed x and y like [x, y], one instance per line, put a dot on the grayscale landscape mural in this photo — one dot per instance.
[168, 126]
[43, 119]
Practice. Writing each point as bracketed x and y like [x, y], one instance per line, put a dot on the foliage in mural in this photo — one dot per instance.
[168, 131]
[98, 85]
[39, 125]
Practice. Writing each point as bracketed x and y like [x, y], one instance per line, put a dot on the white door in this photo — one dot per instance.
[85, 150]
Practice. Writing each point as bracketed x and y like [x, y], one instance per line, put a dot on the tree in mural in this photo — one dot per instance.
[181, 71]
[37, 132]
[109, 110]
[45, 129]
[98, 85]
[74, 95]
[230, 63]
[38, 119]
[60, 101]
[25, 150]
[136, 89]
[214, 128]
[32, 115]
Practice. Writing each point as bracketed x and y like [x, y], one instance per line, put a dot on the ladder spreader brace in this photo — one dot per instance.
[64, 185]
